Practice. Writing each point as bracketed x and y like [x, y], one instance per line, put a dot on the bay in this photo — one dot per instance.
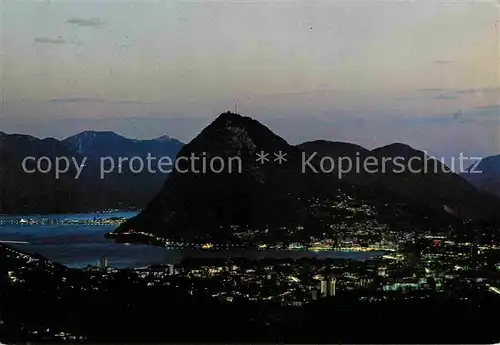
[79, 245]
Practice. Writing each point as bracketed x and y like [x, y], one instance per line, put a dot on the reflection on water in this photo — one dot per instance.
[79, 245]
[72, 216]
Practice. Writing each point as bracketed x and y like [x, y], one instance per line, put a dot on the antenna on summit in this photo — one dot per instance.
[236, 107]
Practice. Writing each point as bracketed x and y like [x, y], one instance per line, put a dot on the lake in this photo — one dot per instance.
[79, 245]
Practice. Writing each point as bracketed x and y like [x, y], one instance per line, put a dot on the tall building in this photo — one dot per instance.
[365, 282]
[103, 263]
[328, 286]
[332, 287]
[324, 288]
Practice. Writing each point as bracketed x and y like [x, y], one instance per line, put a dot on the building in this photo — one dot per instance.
[382, 271]
[103, 263]
[324, 288]
[365, 282]
[328, 286]
[332, 287]
[314, 295]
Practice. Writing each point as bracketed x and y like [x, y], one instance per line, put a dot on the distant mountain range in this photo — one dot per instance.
[277, 201]
[134, 185]
[95, 145]
[485, 175]
[23, 193]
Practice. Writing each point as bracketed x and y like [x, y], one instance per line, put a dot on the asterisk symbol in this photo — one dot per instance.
[280, 157]
[262, 157]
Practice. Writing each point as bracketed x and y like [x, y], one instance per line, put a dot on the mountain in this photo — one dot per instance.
[430, 182]
[22, 192]
[485, 175]
[138, 184]
[205, 204]
[402, 172]
[278, 199]
[37, 192]
[342, 155]
[95, 145]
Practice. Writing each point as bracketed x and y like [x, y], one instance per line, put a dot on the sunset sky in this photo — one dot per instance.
[425, 73]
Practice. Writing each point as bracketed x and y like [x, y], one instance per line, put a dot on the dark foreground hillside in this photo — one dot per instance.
[94, 306]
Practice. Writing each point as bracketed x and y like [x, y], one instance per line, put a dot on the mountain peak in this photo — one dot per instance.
[163, 138]
[230, 118]
[237, 134]
[397, 149]
[205, 203]
[98, 133]
[228, 115]
[395, 146]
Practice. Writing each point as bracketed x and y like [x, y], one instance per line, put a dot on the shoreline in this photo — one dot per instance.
[69, 213]
[142, 238]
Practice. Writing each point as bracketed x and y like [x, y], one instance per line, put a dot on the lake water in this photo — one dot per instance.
[79, 245]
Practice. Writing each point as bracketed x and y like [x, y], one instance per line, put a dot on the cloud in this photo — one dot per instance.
[430, 90]
[465, 91]
[426, 120]
[486, 114]
[479, 91]
[489, 107]
[442, 94]
[85, 22]
[462, 91]
[442, 61]
[480, 115]
[128, 102]
[49, 40]
[91, 100]
[436, 93]
[444, 97]
[76, 100]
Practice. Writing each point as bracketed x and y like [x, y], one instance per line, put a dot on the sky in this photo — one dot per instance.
[372, 72]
